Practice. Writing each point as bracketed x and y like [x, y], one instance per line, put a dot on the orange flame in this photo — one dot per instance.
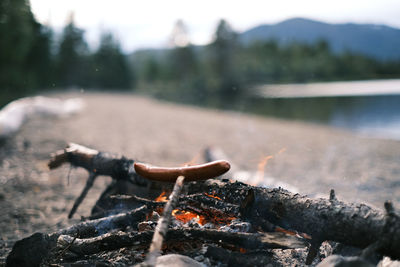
[162, 197]
[187, 216]
[261, 166]
[260, 169]
[263, 162]
[202, 217]
[281, 151]
[213, 196]
[192, 161]
[214, 217]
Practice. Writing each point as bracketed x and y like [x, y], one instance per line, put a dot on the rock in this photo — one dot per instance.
[176, 260]
[29, 251]
[340, 261]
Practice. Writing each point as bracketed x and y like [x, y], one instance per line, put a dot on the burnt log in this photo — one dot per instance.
[119, 168]
[113, 241]
[98, 163]
[352, 224]
[31, 251]
[103, 225]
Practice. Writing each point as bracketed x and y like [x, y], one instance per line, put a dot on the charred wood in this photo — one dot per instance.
[103, 225]
[113, 241]
[31, 251]
[99, 163]
[200, 203]
[324, 219]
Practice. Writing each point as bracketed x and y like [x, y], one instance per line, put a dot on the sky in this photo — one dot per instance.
[148, 23]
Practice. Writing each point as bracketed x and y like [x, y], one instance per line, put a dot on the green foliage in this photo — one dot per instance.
[28, 64]
[223, 51]
[72, 58]
[109, 66]
[22, 41]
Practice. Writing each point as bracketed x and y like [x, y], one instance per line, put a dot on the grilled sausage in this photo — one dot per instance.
[191, 173]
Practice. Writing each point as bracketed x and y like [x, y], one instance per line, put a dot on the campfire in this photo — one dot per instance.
[155, 216]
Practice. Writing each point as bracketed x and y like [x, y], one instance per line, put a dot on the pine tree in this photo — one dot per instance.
[24, 45]
[182, 57]
[223, 50]
[111, 71]
[72, 57]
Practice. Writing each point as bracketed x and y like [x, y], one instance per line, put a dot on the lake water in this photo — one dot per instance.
[371, 108]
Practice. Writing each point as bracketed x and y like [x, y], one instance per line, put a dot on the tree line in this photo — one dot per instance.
[32, 57]
[225, 70]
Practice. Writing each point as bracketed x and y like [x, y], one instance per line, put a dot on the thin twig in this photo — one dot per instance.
[163, 222]
[78, 201]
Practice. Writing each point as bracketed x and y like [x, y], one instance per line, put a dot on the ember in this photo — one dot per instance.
[213, 196]
[187, 216]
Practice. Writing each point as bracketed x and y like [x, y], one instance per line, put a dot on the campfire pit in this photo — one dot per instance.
[216, 222]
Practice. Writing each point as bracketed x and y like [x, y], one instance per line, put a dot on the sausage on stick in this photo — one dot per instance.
[191, 173]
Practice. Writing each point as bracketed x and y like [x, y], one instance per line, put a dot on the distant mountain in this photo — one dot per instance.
[378, 41]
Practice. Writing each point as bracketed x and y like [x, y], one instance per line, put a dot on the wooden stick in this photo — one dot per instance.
[100, 163]
[103, 225]
[163, 222]
[78, 201]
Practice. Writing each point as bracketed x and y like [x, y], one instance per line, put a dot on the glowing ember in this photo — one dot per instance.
[213, 196]
[187, 216]
[242, 250]
[202, 216]
[162, 197]
[282, 230]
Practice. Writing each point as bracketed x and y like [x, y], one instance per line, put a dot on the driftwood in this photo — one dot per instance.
[323, 219]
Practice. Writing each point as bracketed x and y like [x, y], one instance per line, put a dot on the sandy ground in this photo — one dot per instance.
[312, 159]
